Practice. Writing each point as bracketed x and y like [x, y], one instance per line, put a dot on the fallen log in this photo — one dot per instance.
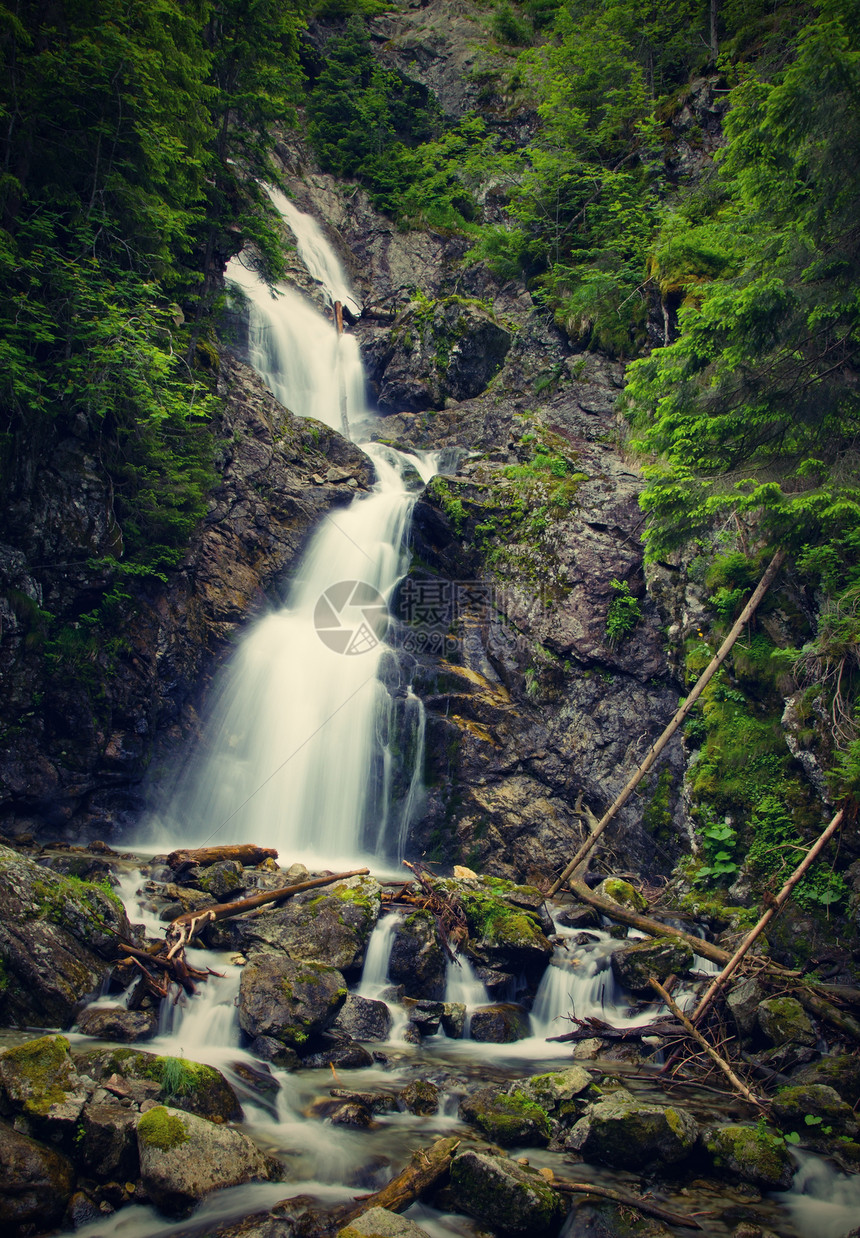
[424, 1170]
[659, 744]
[592, 1027]
[225, 911]
[628, 1201]
[646, 924]
[203, 857]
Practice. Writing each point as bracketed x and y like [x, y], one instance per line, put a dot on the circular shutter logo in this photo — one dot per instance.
[351, 617]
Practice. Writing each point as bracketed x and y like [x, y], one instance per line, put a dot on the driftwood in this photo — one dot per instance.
[591, 1027]
[655, 750]
[449, 915]
[776, 906]
[424, 1170]
[628, 1201]
[740, 1087]
[245, 853]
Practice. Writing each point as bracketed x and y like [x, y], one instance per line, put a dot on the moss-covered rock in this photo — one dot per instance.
[417, 961]
[625, 1132]
[506, 1196]
[607, 1220]
[563, 1094]
[840, 1071]
[507, 1118]
[814, 1108]
[633, 965]
[117, 1023]
[36, 1075]
[420, 1097]
[783, 1021]
[291, 1001]
[222, 881]
[502, 934]
[380, 1223]
[500, 1024]
[180, 1083]
[183, 1158]
[623, 893]
[36, 1184]
[750, 1155]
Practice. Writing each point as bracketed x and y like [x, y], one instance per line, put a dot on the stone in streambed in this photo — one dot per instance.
[509, 1119]
[380, 1223]
[183, 1158]
[420, 1097]
[417, 961]
[623, 893]
[35, 1183]
[39, 1082]
[500, 1024]
[605, 1219]
[117, 1023]
[505, 1195]
[664, 956]
[783, 1020]
[628, 1133]
[750, 1155]
[840, 1071]
[291, 1001]
[192, 1086]
[812, 1106]
[342, 1055]
[109, 1143]
[363, 1018]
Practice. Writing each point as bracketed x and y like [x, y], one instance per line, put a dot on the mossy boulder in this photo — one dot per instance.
[417, 961]
[183, 1158]
[36, 1184]
[40, 1087]
[840, 1071]
[332, 927]
[223, 881]
[183, 1084]
[506, 1196]
[56, 938]
[624, 1132]
[500, 1024]
[633, 965]
[117, 1023]
[420, 1097]
[607, 1220]
[563, 1093]
[623, 893]
[507, 1118]
[501, 933]
[750, 1155]
[380, 1223]
[813, 1108]
[783, 1021]
[291, 1001]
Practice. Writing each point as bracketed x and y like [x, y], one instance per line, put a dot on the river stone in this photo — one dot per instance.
[502, 1194]
[623, 893]
[743, 1001]
[380, 1223]
[343, 1055]
[291, 1001]
[117, 1023]
[503, 934]
[500, 1024]
[840, 1071]
[745, 1153]
[509, 1119]
[792, 1106]
[332, 927]
[363, 1018]
[604, 1219]
[109, 1143]
[35, 1183]
[628, 1133]
[454, 1019]
[662, 957]
[416, 959]
[222, 881]
[561, 1093]
[38, 1080]
[192, 1086]
[183, 1158]
[420, 1097]
[56, 938]
[427, 1016]
[784, 1021]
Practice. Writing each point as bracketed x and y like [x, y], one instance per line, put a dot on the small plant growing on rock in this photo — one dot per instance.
[623, 614]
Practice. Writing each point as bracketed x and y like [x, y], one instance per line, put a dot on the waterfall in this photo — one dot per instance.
[303, 742]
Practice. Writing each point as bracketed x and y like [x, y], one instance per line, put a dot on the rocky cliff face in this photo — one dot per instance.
[79, 732]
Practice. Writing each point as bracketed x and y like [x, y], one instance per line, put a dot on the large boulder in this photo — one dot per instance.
[509, 1119]
[783, 1021]
[117, 1023]
[814, 1108]
[192, 1086]
[563, 1093]
[628, 1133]
[416, 960]
[840, 1071]
[291, 1001]
[500, 1024]
[109, 1142]
[40, 1086]
[505, 1195]
[748, 1154]
[183, 1158]
[623, 893]
[57, 936]
[35, 1184]
[363, 1018]
[634, 965]
[505, 927]
[332, 927]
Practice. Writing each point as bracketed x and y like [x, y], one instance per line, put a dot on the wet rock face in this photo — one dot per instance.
[73, 763]
[633, 966]
[289, 1001]
[416, 959]
[55, 942]
[625, 1132]
[35, 1183]
[500, 1024]
[503, 1194]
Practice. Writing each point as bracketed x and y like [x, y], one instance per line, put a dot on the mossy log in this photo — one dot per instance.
[203, 857]
[627, 1201]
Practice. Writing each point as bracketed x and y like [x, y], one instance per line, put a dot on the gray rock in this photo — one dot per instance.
[109, 1143]
[808, 1107]
[743, 1002]
[750, 1155]
[607, 1220]
[420, 1097]
[345, 1055]
[380, 1223]
[183, 1158]
[784, 1021]
[416, 959]
[661, 957]
[500, 1024]
[503, 1194]
[624, 1132]
[223, 881]
[192, 1086]
[509, 1119]
[453, 1019]
[38, 1081]
[290, 1001]
[840, 1071]
[118, 1023]
[363, 1018]
[35, 1183]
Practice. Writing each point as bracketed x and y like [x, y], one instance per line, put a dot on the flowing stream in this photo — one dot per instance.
[299, 754]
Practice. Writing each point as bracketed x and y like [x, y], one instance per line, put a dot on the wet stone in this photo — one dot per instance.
[420, 1097]
[118, 1024]
[500, 1024]
[364, 1018]
[346, 1055]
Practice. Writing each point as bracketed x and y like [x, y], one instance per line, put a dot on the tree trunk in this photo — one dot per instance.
[706, 677]
[424, 1170]
[245, 853]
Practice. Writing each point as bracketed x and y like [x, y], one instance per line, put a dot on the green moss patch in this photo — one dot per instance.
[161, 1129]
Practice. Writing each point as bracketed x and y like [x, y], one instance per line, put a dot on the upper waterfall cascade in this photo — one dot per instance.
[300, 748]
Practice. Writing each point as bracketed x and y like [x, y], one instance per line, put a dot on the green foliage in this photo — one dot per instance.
[776, 850]
[623, 614]
[719, 841]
